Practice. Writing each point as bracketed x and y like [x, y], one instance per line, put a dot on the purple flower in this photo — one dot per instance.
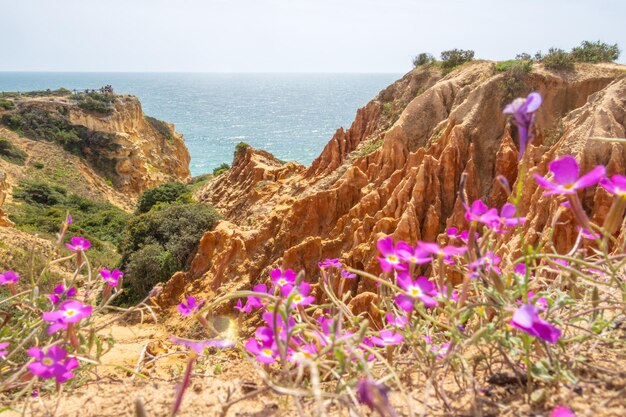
[191, 307]
[523, 111]
[390, 259]
[304, 353]
[111, 277]
[3, 349]
[616, 185]
[375, 396]
[526, 318]
[562, 411]
[509, 218]
[61, 292]
[78, 244]
[69, 220]
[489, 261]
[198, 346]
[440, 351]
[243, 308]
[51, 364]
[567, 179]
[347, 274]
[330, 263]
[9, 277]
[387, 338]
[420, 289]
[69, 311]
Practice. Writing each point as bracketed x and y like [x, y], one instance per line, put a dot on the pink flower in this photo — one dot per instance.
[9, 277]
[421, 289]
[301, 297]
[523, 112]
[78, 244]
[3, 349]
[304, 353]
[69, 311]
[191, 307]
[562, 411]
[387, 338]
[446, 253]
[111, 278]
[397, 321]
[440, 351]
[390, 259]
[69, 220]
[330, 263]
[51, 364]
[587, 234]
[414, 256]
[508, 217]
[616, 185]
[526, 318]
[567, 179]
[283, 279]
[61, 292]
[489, 261]
[263, 346]
[480, 213]
[198, 346]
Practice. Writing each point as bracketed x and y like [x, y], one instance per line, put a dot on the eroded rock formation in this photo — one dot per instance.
[397, 169]
[4, 219]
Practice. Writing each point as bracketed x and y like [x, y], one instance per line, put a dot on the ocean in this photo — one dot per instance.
[290, 115]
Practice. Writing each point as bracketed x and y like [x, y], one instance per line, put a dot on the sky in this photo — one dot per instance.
[288, 35]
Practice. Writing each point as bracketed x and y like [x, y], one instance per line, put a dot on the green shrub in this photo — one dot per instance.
[221, 169]
[455, 57]
[523, 57]
[10, 153]
[518, 65]
[241, 147]
[160, 242]
[38, 165]
[423, 59]
[558, 60]
[39, 193]
[95, 102]
[6, 104]
[164, 193]
[595, 52]
[161, 127]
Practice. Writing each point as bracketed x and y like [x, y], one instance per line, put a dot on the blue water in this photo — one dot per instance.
[291, 115]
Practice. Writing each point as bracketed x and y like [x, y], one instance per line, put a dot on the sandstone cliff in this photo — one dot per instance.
[131, 151]
[396, 171]
[4, 220]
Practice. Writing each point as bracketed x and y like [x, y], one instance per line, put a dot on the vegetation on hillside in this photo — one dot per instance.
[11, 153]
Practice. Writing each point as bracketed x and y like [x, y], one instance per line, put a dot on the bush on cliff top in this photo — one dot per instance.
[95, 101]
[455, 57]
[557, 59]
[156, 244]
[595, 52]
[423, 59]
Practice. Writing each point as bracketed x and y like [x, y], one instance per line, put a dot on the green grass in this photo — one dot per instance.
[6, 104]
[512, 64]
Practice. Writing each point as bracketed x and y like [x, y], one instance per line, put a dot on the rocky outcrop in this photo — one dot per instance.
[132, 151]
[396, 171]
[4, 219]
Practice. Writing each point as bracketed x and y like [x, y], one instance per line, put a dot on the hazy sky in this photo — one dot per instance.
[288, 35]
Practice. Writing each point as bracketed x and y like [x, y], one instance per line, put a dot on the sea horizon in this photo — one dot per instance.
[292, 115]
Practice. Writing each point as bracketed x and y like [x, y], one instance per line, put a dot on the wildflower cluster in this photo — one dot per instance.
[47, 330]
[437, 303]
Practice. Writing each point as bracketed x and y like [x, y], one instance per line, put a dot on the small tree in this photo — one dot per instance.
[423, 59]
[595, 52]
[558, 59]
[164, 193]
[455, 57]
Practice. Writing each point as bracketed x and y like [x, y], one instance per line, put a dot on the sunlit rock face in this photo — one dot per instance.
[396, 171]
